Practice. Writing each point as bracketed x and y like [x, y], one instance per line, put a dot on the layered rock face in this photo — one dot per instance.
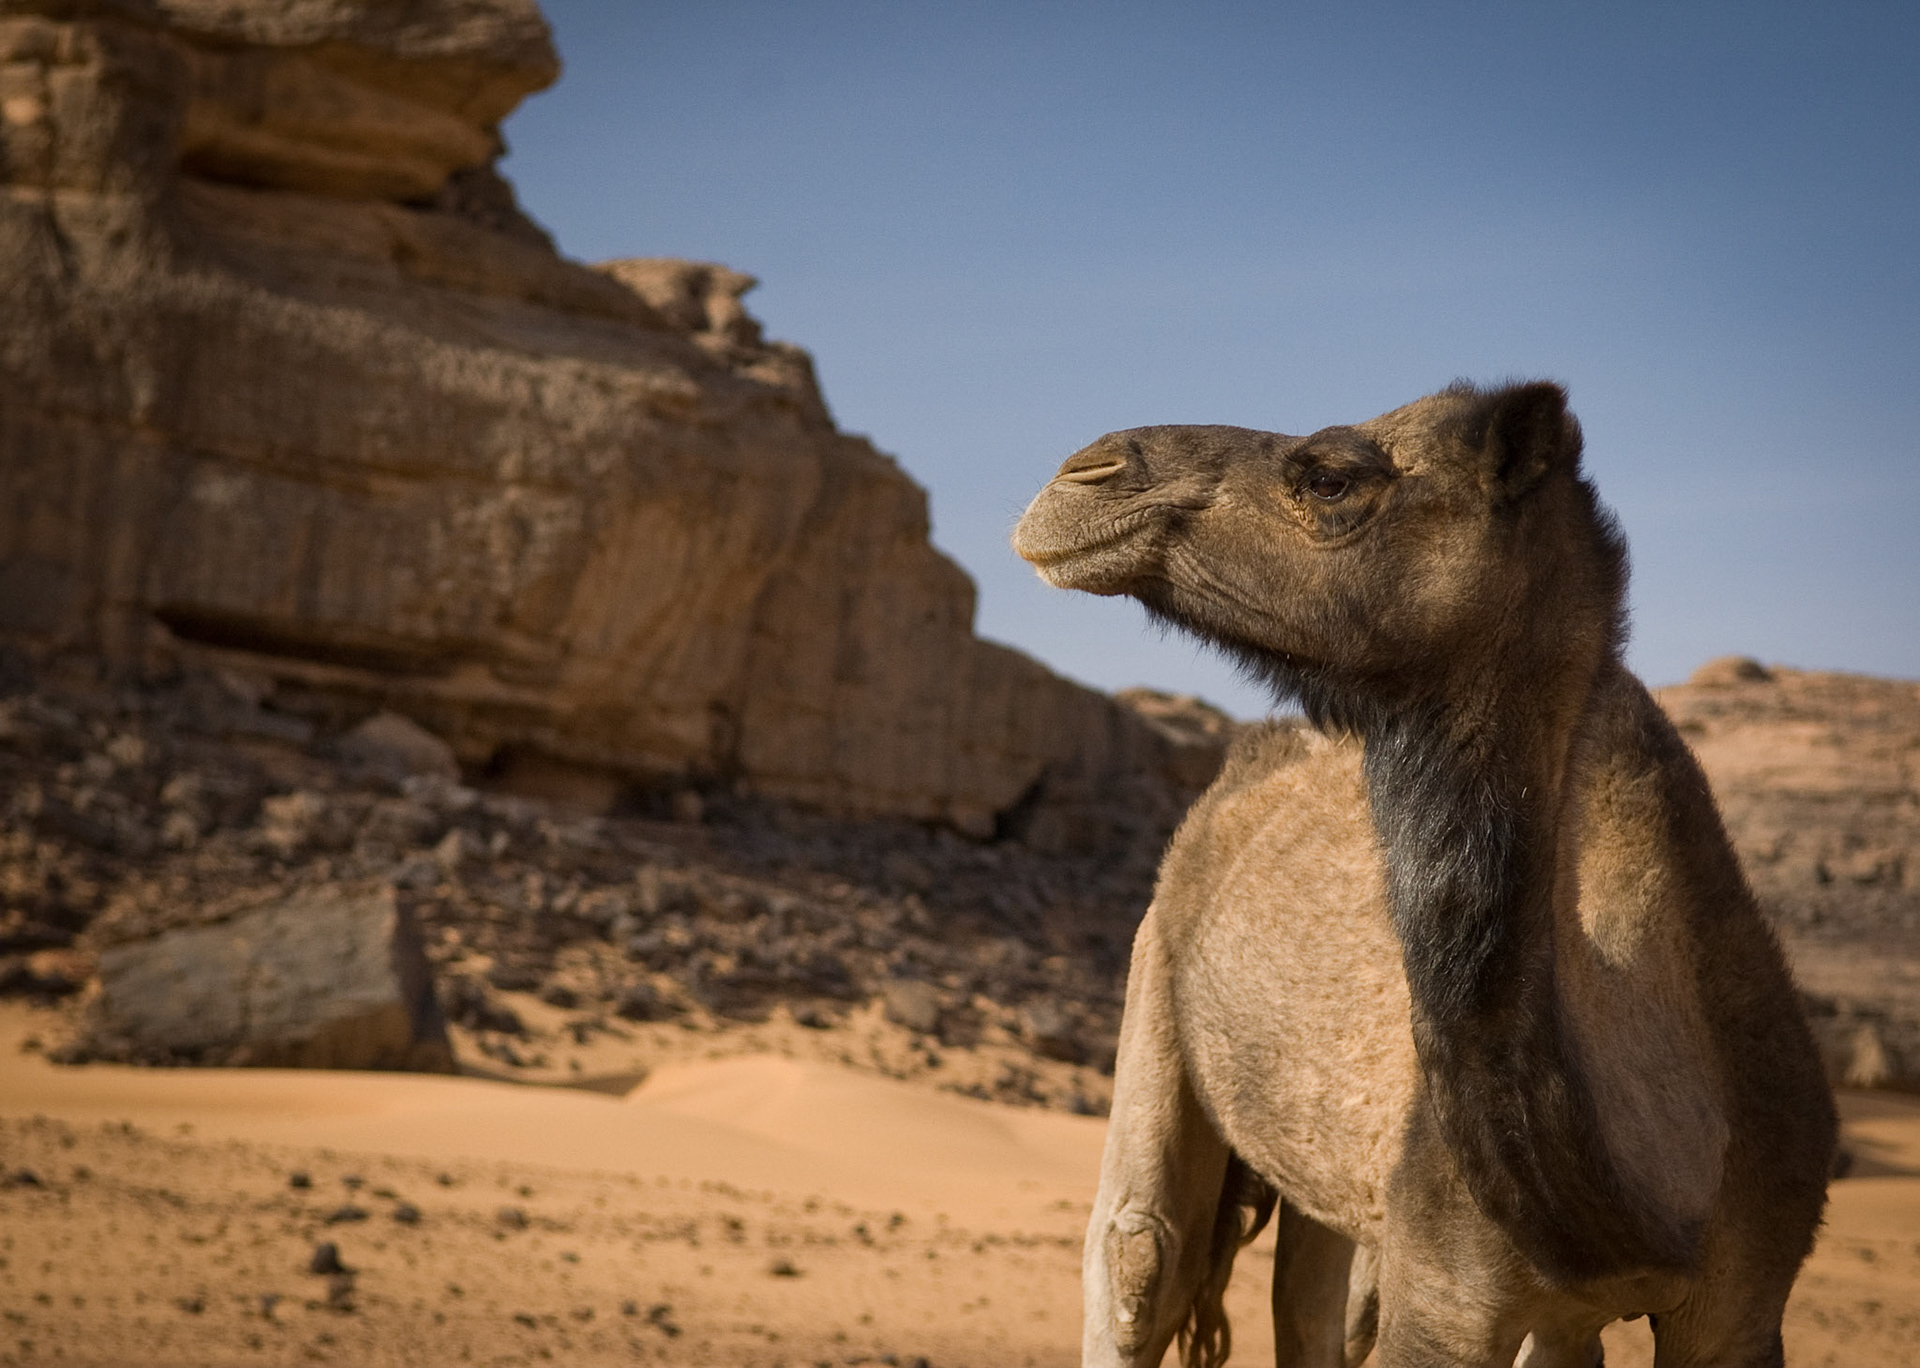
[1818, 776]
[289, 384]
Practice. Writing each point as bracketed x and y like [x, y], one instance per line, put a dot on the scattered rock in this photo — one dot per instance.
[513, 978]
[471, 1002]
[340, 1293]
[1051, 1032]
[326, 1259]
[46, 975]
[642, 1002]
[294, 822]
[329, 978]
[400, 747]
[1867, 1064]
[914, 1005]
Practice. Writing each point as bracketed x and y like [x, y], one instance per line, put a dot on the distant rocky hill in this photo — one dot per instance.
[1818, 776]
[289, 386]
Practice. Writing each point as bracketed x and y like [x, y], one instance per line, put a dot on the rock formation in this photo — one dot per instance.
[1818, 776]
[289, 386]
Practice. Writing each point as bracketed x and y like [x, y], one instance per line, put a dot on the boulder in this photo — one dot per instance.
[913, 1004]
[400, 747]
[333, 978]
[290, 387]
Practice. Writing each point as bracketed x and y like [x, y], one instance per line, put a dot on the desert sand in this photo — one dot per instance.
[745, 1210]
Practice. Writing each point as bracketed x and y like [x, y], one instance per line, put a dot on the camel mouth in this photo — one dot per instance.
[1090, 569]
[1104, 559]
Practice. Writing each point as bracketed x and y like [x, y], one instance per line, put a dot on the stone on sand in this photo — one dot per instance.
[327, 978]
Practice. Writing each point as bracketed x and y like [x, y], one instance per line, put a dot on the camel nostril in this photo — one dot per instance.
[1091, 469]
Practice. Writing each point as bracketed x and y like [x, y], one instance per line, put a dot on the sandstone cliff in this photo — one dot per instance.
[289, 384]
[1818, 776]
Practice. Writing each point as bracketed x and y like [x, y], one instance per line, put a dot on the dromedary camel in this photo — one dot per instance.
[1465, 972]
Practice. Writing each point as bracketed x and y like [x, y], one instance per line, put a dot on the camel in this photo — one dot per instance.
[1461, 978]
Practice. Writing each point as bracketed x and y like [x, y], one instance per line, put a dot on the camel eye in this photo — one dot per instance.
[1327, 486]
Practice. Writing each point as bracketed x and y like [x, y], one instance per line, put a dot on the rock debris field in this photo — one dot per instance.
[562, 946]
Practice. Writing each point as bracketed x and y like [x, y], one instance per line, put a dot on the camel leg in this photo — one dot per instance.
[1148, 1244]
[1739, 1328]
[1363, 1305]
[1731, 1318]
[1311, 1268]
[1446, 1296]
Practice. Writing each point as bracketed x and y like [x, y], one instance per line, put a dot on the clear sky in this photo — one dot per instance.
[1003, 229]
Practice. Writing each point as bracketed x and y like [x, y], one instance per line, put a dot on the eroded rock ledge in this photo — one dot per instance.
[289, 383]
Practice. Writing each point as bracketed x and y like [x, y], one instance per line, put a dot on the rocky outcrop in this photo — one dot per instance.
[329, 978]
[1818, 776]
[291, 387]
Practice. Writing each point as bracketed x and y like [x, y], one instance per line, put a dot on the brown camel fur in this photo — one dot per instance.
[1465, 971]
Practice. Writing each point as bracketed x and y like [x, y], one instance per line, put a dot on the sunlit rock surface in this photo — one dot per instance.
[289, 384]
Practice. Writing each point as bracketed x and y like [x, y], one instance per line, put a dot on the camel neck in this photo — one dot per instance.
[1472, 821]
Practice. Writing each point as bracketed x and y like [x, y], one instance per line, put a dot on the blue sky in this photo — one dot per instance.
[1004, 229]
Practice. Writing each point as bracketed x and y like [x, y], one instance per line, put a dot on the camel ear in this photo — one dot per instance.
[1524, 434]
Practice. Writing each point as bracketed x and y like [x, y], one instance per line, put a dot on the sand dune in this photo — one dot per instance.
[755, 1210]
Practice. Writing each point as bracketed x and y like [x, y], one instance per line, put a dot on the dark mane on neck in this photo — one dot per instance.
[1471, 853]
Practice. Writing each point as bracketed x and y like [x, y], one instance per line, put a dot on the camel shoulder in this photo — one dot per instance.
[1284, 791]
[1277, 762]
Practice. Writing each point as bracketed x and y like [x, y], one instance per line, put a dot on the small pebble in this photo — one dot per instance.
[340, 1292]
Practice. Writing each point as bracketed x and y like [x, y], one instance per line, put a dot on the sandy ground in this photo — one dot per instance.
[748, 1210]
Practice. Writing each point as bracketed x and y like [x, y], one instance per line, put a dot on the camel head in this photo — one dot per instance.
[1361, 565]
